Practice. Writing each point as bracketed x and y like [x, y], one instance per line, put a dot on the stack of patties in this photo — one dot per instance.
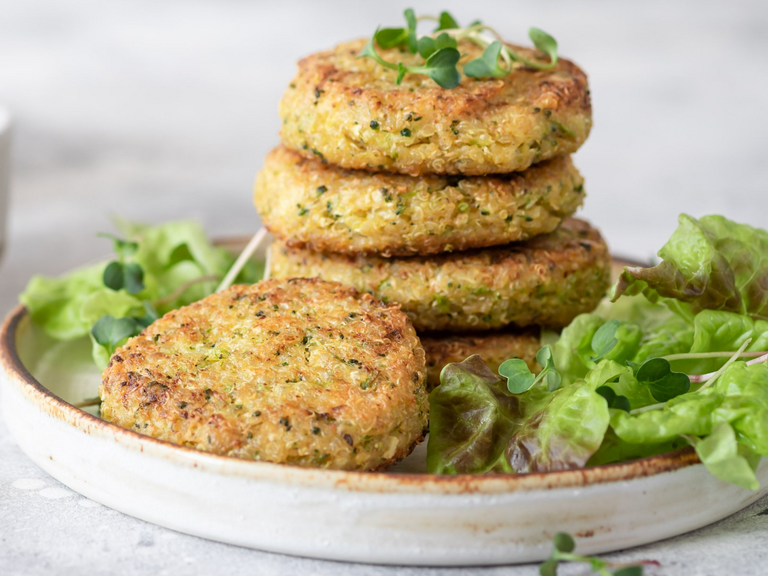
[456, 203]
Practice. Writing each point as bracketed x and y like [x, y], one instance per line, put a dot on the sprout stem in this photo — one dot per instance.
[648, 408]
[88, 402]
[760, 360]
[183, 288]
[245, 255]
[697, 355]
[709, 379]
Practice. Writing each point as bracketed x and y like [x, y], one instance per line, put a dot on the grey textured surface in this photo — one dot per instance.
[157, 111]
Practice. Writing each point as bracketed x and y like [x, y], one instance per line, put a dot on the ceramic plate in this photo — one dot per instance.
[403, 516]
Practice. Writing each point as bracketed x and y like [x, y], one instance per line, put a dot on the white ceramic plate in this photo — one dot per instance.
[399, 517]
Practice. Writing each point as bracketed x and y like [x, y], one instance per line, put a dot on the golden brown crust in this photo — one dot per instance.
[493, 347]
[324, 208]
[480, 127]
[296, 371]
[546, 281]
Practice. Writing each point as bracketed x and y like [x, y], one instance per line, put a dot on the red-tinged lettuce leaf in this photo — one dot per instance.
[711, 263]
[472, 415]
[568, 428]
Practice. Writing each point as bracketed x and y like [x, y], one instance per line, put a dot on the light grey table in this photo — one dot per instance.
[158, 111]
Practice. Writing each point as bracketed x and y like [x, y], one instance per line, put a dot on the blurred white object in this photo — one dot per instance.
[5, 171]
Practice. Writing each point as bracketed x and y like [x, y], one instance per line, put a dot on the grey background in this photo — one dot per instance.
[163, 110]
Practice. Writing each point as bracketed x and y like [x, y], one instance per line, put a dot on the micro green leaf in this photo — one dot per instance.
[123, 248]
[369, 51]
[150, 315]
[133, 278]
[563, 547]
[410, 18]
[519, 376]
[401, 71]
[544, 43]
[114, 275]
[664, 384]
[441, 67]
[427, 45]
[391, 37]
[607, 392]
[554, 379]
[605, 339]
[108, 331]
[614, 400]
[564, 542]
[446, 22]
[629, 571]
[621, 403]
[488, 64]
[634, 366]
[544, 356]
[549, 567]
[547, 362]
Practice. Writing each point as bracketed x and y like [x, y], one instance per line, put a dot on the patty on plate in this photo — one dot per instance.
[349, 111]
[296, 371]
[547, 281]
[322, 207]
[493, 348]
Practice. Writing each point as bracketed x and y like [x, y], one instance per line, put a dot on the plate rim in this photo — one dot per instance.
[358, 481]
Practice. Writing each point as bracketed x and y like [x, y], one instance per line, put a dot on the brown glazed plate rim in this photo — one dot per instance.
[375, 482]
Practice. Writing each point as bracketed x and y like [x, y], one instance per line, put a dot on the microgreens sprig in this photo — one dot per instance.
[440, 50]
[520, 378]
[122, 273]
[109, 331]
[656, 373]
[616, 401]
[563, 546]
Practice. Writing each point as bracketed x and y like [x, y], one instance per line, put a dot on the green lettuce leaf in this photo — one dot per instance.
[711, 263]
[573, 351]
[745, 389]
[614, 449]
[726, 459]
[715, 330]
[739, 397]
[56, 303]
[674, 336]
[172, 259]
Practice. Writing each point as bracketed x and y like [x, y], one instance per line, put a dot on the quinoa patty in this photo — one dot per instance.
[349, 111]
[324, 208]
[493, 348]
[546, 281]
[297, 371]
